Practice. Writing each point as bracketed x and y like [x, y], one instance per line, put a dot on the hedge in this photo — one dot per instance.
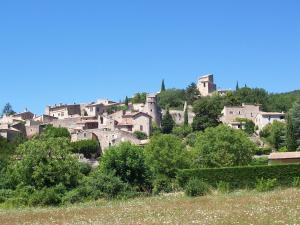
[241, 177]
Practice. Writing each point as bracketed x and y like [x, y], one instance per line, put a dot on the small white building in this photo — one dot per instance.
[264, 118]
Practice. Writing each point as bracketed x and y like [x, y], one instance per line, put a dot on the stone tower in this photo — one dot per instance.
[153, 109]
[206, 85]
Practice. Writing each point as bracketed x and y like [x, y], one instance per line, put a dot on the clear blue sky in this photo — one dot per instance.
[68, 51]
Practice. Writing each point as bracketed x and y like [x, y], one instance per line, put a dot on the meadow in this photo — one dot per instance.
[280, 206]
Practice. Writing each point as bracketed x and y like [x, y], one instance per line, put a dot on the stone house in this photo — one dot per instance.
[44, 119]
[230, 114]
[8, 132]
[99, 107]
[264, 118]
[63, 111]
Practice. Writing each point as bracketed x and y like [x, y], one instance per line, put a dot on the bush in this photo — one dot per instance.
[196, 187]
[263, 151]
[241, 177]
[85, 168]
[127, 161]
[182, 131]
[140, 135]
[55, 132]
[89, 148]
[296, 182]
[264, 185]
[101, 185]
[5, 194]
[163, 184]
[259, 161]
[223, 187]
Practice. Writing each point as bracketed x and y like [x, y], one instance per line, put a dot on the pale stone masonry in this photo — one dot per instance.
[265, 118]
[206, 85]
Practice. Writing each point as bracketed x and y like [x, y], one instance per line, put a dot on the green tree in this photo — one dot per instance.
[45, 163]
[237, 87]
[186, 117]
[295, 116]
[192, 93]
[167, 123]
[172, 98]
[140, 135]
[163, 87]
[139, 98]
[165, 154]
[275, 134]
[127, 161]
[55, 132]
[222, 146]
[208, 111]
[126, 101]
[8, 110]
[89, 148]
[291, 141]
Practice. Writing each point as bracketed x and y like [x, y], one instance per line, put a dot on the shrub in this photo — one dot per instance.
[196, 187]
[296, 182]
[182, 131]
[263, 151]
[241, 177]
[264, 185]
[5, 194]
[223, 187]
[89, 148]
[102, 185]
[85, 168]
[127, 161]
[140, 135]
[55, 132]
[164, 184]
[259, 161]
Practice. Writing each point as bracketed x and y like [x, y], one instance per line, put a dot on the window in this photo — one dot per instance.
[62, 114]
[231, 112]
[97, 109]
[141, 128]
[204, 84]
[239, 112]
[84, 134]
[251, 114]
[91, 109]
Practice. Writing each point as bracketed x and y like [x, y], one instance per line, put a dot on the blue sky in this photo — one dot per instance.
[68, 51]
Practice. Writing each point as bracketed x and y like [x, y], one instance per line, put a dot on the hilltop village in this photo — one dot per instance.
[111, 123]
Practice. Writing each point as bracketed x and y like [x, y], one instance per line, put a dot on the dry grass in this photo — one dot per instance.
[245, 207]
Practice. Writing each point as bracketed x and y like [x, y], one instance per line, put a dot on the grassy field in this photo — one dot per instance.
[244, 207]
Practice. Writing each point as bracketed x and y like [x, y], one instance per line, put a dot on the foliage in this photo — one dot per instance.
[7, 110]
[190, 139]
[191, 93]
[165, 154]
[259, 161]
[222, 146]
[263, 151]
[296, 182]
[275, 134]
[264, 185]
[126, 102]
[171, 98]
[140, 135]
[182, 131]
[163, 184]
[89, 148]
[186, 117]
[167, 123]
[104, 185]
[163, 87]
[291, 141]
[45, 163]
[295, 118]
[127, 162]
[252, 96]
[115, 108]
[139, 98]
[241, 177]
[55, 132]
[196, 187]
[249, 125]
[282, 102]
[208, 111]
[223, 187]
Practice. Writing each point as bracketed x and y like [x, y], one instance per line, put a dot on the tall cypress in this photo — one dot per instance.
[186, 117]
[163, 87]
[291, 142]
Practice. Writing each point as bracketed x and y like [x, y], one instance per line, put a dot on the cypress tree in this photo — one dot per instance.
[126, 101]
[163, 87]
[167, 123]
[237, 87]
[291, 142]
[186, 117]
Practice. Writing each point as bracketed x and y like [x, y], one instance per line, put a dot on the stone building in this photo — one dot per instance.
[206, 85]
[99, 107]
[232, 113]
[63, 111]
[264, 118]
[151, 108]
